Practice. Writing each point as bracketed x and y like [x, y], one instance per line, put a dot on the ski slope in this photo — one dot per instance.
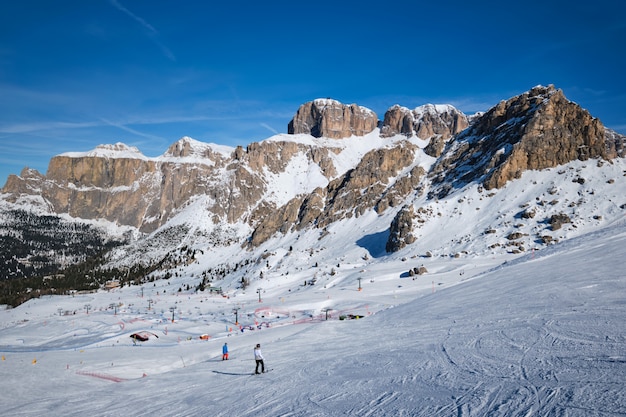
[541, 334]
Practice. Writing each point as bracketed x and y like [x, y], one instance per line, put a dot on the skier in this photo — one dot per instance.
[225, 352]
[258, 357]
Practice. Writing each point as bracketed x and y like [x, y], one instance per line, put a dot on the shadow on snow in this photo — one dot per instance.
[375, 243]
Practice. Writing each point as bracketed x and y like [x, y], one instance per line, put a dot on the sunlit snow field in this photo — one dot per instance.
[541, 334]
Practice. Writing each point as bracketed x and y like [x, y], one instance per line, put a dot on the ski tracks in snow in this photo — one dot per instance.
[524, 367]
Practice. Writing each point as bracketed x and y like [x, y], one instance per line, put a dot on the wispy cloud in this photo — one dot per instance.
[594, 92]
[270, 128]
[40, 126]
[152, 32]
[141, 21]
[130, 130]
[43, 126]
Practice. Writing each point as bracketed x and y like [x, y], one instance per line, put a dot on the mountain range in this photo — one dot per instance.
[423, 182]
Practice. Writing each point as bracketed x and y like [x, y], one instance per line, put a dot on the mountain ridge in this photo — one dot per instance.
[398, 188]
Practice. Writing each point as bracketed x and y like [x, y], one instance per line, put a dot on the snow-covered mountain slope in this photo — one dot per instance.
[532, 171]
[529, 214]
[537, 334]
[501, 294]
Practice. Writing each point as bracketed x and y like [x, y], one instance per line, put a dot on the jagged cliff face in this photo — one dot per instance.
[536, 130]
[424, 122]
[368, 186]
[117, 183]
[331, 119]
[533, 131]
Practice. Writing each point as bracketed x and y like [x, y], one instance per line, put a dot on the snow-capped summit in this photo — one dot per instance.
[405, 189]
[442, 120]
[117, 150]
[483, 264]
[187, 147]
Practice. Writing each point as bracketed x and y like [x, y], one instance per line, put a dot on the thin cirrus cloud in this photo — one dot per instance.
[45, 126]
[130, 130]
[152, 32]
[38, 126]
[270, 128]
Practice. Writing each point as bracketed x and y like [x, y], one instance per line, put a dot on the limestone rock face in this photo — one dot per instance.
[535, 130]
[27, 183]
[118, 183]
[400, 232]
[398, 120]
[616, 144]
[332, 119]
[368, 186]
[426, 121]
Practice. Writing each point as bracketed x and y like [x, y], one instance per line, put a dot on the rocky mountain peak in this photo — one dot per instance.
[116, 150]
[426, 121]
[187, 147]
[287, 184]
[332, 119]
[535, 130]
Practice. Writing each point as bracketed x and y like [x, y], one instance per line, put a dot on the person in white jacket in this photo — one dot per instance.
[258, 357]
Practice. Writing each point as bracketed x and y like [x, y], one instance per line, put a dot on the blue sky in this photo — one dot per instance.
[76, 74]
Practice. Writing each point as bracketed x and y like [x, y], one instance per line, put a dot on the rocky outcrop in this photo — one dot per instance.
[616, 143]
[401, 230]
[398, 120]
[427, 121]
[535, 130]
[27, 183]
[118, 183]
[368, 186]
[558, 220]
[332, 119]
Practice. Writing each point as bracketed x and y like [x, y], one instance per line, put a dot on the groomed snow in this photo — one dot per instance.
[541, 334]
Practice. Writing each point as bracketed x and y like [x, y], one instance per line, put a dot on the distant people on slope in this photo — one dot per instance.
[225, 352]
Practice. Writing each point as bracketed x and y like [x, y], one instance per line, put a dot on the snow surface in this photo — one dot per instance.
[118, 150]
[434, 109]
[541, 334]
[484, 332]
[327, 102]
[123, 151]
